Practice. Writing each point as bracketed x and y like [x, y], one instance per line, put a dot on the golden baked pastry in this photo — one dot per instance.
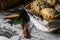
[50, 2]
[41, 8]
[37, 5]
[48, 13]
[57, 7]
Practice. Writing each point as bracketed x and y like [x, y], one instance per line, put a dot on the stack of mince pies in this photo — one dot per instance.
[48, 9]
[45, 14]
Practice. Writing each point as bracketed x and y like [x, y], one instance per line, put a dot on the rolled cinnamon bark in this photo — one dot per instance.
[4, 4]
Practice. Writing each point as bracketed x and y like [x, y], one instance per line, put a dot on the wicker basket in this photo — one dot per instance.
[4, 4]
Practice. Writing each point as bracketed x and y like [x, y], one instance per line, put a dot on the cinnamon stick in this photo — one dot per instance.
[25, 30]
